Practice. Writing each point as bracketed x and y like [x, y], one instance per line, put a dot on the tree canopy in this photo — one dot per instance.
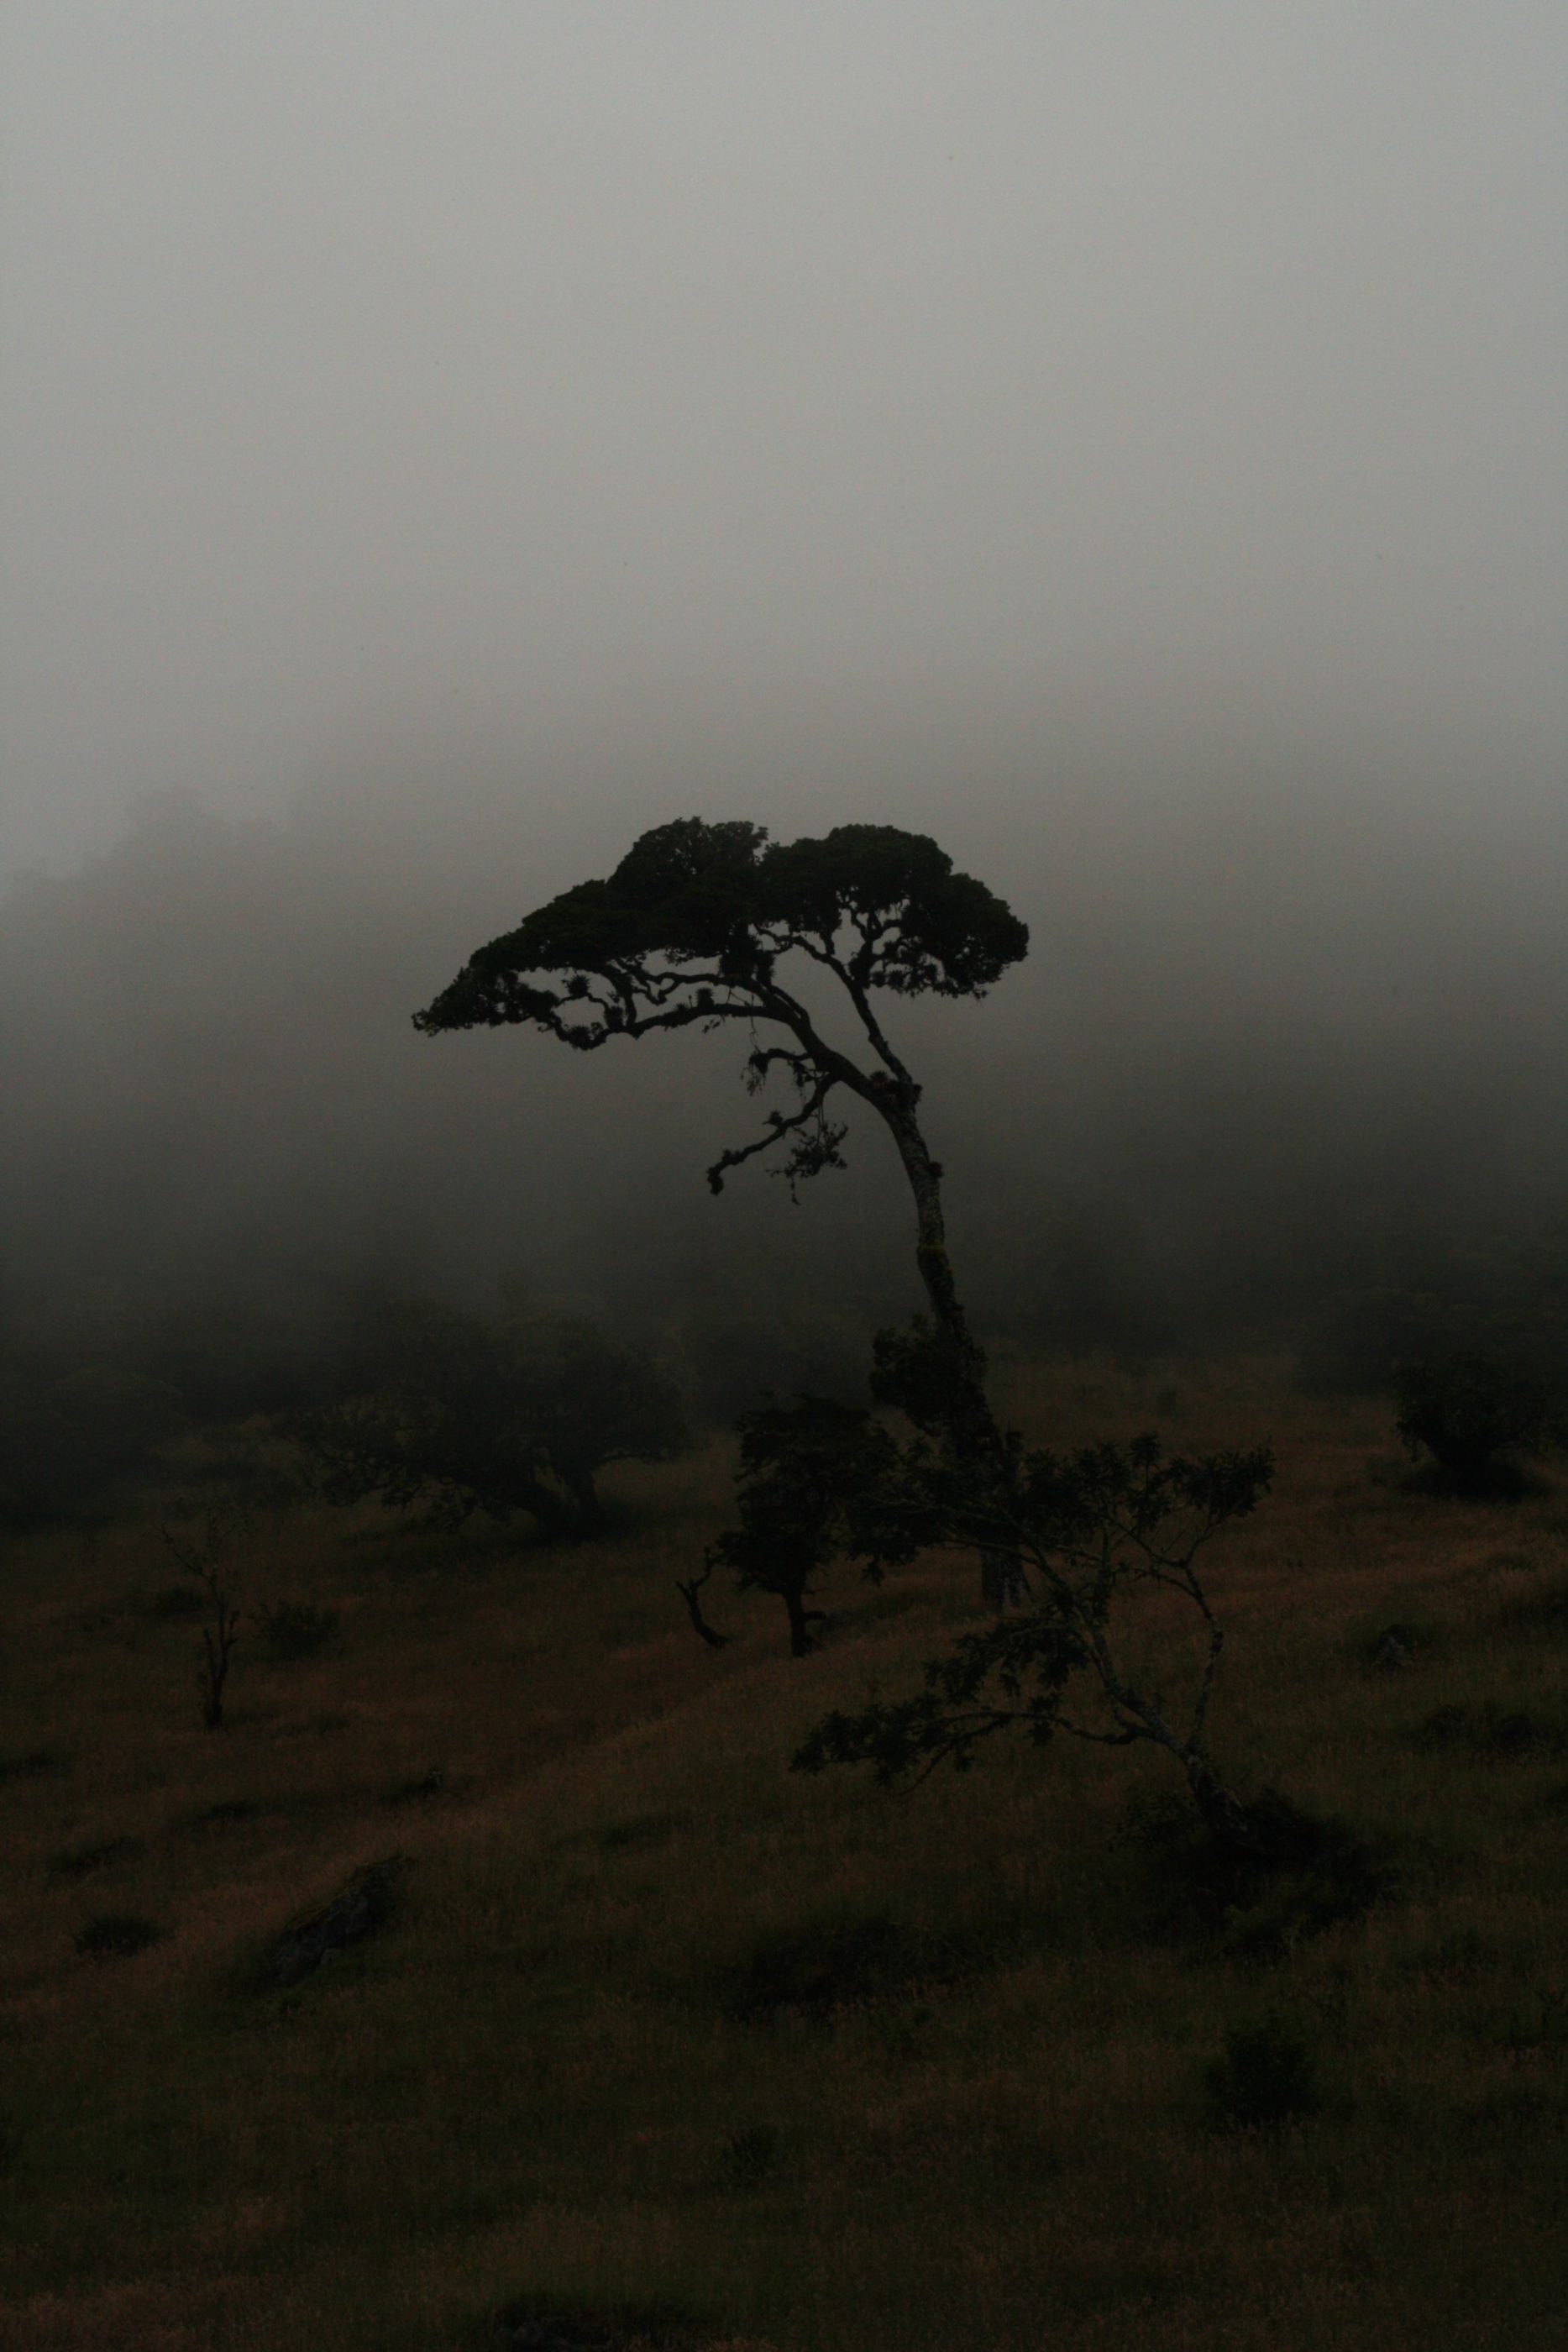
[692, 928]
[706, 924]
[462, 1413]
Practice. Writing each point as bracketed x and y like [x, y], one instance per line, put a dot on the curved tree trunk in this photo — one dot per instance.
[803, 1641]
[973, 1428]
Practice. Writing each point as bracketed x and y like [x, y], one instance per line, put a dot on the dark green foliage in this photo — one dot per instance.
[1303, 1876]
[837, 1964]
[1093, 1529]
[1290, 1877]
[462, 1413]
[1472, 1410]
[81, 1861]
[719, 896]
[1265, 2078]
[293, 1630]
[594, 1402]
[1396, 1649]
[693, 927]
[807, 1472]
[536, 2323]
[114, 1936]
[926, 1373]
[749, 2157]
[226, 1814]
[1491, 1735]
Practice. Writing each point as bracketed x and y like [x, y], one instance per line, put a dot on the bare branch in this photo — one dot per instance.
[817, 1148]
[690, 1589]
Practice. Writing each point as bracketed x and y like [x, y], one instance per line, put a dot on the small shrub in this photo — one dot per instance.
[114, 1936]
[1265, 2078]
[295, 1630]
[818, 1970]
[1487, 1733]
[81, 1861]
[1396, 1650]
[1299, 1875]
[1544, 1609]
[532, 2323]
[30, 1765]
[641, 1833]
[1470, 1411]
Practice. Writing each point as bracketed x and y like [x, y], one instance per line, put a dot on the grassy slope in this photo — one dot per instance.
[536, 2078]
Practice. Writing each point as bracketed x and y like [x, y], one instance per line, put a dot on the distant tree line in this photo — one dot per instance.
[417, 1403]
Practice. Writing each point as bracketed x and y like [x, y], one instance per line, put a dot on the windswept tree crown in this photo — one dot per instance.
[691, 923]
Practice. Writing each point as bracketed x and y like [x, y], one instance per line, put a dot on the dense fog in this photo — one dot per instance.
[1245, 1064]
[1124, 442]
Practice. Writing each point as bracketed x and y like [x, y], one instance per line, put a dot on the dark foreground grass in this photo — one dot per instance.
[653, 2041]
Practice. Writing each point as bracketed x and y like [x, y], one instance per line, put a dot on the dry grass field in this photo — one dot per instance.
[654, 2024]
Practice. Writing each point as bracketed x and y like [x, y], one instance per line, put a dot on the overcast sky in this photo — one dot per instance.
[885, 406]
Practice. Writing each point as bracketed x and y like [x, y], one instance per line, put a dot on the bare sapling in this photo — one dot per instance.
[203, 1560]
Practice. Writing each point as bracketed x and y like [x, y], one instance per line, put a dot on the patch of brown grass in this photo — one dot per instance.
[528, 2081]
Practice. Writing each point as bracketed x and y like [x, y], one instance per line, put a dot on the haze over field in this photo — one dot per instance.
[1126, 441]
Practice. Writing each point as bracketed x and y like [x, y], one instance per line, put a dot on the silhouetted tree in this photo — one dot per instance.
[805, 1472]
[204, 1556]
[1094, 1528]
[706, 924]
[1472, 1409]
[462, 1415]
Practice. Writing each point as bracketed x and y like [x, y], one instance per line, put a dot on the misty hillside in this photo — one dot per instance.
[648, 2024]
[729, 521]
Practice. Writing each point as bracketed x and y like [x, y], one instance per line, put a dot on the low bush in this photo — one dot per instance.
[815, 1971]
[1473, 1410]
[293, 1630]
[749, 2157]
[114, 1936]
[1264, 2077]
[81, 1861]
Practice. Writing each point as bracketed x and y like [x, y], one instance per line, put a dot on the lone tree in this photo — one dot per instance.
[705, 924]
[807, 1471]
[1473, 1408]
